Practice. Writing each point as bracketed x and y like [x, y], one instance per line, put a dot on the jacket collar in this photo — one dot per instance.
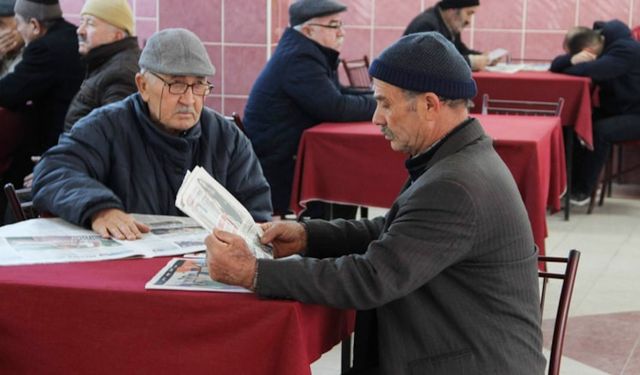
[330, 54]
[467, 132]
[101, 54]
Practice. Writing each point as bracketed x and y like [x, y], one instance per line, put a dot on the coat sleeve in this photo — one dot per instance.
[610, 65]
[309, 85]
[431, 231]
[67, 181]
[245, 179]
[32, 77]
[560, 63]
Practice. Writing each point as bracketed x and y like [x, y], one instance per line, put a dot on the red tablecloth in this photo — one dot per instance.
[352, 163]
[97, 318]
[543, 86]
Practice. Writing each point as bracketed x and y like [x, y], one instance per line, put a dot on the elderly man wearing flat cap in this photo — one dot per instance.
[448, 279]
[449, 18]
[132, 155]
[299, 88]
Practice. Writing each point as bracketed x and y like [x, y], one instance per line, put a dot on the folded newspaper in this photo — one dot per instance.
[207, 202]
[189, 274]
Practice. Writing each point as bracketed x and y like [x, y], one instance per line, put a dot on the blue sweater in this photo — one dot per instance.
[616, 70]
[116, 157]
[297, 89]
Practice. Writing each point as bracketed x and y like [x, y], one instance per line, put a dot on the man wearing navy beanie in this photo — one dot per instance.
[449, 18]
[447, 282]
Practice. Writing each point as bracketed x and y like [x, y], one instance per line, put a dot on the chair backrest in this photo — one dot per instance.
[568, 277]
[20, 202]
[235, 118]
[521, 107]
[636, 33]
[358, 72]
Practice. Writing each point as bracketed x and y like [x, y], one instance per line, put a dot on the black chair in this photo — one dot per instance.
[609, 175]
[235, 118]
[20, 202]
[358, 72]
[568, 277]
[521, 107]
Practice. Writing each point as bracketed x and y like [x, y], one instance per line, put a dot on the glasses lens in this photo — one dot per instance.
[178, 88]
[201, 89]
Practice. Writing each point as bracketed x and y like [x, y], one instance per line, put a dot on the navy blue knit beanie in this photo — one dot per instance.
[425, 62]
[457, 4]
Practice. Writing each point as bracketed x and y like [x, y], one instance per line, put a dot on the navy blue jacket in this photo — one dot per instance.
[431, 20]
[116, 157]
[616, 70]
[297, 89]
[49, 75]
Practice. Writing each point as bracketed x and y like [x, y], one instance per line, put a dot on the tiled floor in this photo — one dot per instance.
[603, 333]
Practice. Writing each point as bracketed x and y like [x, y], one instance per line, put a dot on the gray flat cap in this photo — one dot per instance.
[6, 8]
[304, 10]
[177, 52]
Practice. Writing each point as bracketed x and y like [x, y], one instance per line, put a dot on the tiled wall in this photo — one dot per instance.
[240, 34]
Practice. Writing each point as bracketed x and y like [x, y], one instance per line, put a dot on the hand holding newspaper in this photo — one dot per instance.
[207, 202]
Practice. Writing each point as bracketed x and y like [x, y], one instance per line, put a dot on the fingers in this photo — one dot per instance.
[117, 224]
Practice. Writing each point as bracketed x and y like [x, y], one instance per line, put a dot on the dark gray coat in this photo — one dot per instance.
[451, 271]
[116, 157]
[111, 71]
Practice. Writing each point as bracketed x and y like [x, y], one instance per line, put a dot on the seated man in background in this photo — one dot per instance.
[107, 43]
[11, 42]
[611, 57]
[451, 271]
[131, 156]
[110, 51]
[42, 83]
[449, 18]
[297, 89]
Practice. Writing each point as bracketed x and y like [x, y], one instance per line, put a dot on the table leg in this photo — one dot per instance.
[567, 131]
[345, 358]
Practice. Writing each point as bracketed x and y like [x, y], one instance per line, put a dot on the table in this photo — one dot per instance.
[13, 130]
[352, 163]
[542, 86]
[96, 318]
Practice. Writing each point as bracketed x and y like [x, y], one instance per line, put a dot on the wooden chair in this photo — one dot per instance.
[20, 202]
[568, 278]
[521, 107]
[235, 118]
[358, 72]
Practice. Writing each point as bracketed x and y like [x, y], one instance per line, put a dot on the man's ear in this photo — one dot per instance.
[143, 86]
[37, 26]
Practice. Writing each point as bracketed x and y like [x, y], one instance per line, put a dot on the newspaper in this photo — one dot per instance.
[189, 274]
[513, 68]
[497, 54]
[54, 240]
[201, 197]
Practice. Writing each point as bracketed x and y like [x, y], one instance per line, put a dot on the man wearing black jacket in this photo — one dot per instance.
[110, 50]
[297, 89]
[449, 18]
[610, 56]
[44, 82]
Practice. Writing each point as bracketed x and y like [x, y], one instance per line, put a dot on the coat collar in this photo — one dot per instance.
[96, 57]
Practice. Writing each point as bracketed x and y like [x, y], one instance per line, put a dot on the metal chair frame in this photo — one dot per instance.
[568, 278]
[358, 72]
[521, 107]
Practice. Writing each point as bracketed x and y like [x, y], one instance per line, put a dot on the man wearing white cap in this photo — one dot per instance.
[107, 42]
[132, 155]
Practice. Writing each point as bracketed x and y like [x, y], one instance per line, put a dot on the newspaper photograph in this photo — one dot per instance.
[206, 201]
[189, 274]
[53, 240]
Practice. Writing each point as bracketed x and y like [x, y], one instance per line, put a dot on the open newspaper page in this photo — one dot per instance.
[189, 274]
[54, 240]
[212, 206]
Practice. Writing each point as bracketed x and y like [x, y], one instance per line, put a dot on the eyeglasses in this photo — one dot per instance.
[179, 88]
[333, 25]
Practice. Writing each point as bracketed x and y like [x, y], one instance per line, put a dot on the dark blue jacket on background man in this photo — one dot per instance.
[297, 89]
